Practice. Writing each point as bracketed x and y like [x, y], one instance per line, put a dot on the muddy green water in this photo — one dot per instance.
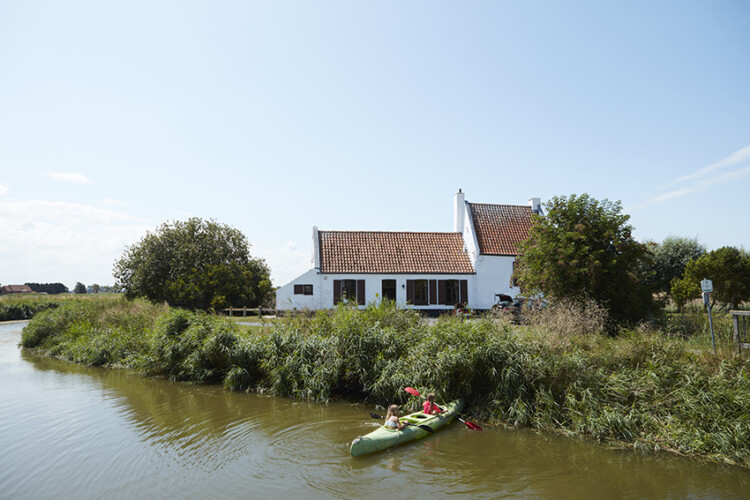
[68, 431]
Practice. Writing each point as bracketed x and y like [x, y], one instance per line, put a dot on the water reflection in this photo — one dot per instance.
[72, 431]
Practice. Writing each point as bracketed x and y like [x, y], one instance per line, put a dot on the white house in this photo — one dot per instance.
[427, 271]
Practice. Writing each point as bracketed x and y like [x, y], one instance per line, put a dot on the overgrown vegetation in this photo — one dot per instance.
[14, 307]
[643, 388]
[19, 310]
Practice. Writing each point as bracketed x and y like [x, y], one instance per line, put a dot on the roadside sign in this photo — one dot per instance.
[707, 286]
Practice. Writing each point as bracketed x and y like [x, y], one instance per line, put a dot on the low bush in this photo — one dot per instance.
[566, 318]
[17, 310]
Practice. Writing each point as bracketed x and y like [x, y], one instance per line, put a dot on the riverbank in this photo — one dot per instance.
[21, 307]
[643, 389]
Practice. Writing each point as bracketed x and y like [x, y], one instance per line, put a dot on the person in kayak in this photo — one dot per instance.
[429, 406]
[391, 419]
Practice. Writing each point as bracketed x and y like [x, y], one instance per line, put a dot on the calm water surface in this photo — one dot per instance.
[67, 431]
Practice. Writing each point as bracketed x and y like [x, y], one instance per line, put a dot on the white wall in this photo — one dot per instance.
[493, 276]
[471, 245]
[322, 297]
[493, 272]
[287, 300]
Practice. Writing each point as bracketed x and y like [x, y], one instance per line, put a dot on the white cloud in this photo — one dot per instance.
[736, 157]
[702, 180]
[728, 176]
[69, 177]
[662, 197]
[3, 189]
[47, 241]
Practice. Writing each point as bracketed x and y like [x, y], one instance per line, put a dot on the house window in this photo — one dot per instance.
[417, 292]
[349, 290]
[389, 290]
[442, 292]
[303, 289]
[449, 292]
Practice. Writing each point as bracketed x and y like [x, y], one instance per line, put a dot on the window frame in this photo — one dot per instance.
[342, 291]
[383, 289]
[303, 289]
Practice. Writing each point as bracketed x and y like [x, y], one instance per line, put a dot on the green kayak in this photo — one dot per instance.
[383, 438]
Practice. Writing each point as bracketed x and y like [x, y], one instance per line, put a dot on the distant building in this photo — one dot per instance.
[428, 271]
[7, 289]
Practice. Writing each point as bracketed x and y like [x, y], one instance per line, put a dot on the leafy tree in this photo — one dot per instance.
[670, 259]
[683, 290]
[729, 270]
[195, 264]
[50, 288]
[79, 288]
[95, 288]
[583, 248]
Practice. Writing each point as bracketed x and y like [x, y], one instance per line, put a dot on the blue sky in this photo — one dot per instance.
[273, 117]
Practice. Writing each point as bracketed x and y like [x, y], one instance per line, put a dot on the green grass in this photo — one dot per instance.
[646, 389]
[15, 307]
[20, 307]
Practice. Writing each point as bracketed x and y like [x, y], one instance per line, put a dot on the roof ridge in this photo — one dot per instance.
[384, 232]
[501, 205]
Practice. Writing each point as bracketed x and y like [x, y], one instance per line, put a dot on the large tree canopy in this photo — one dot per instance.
[195, 264]
[729, 270]
[671, 257]
[583, 248]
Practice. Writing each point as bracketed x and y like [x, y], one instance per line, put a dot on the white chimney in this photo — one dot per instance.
[316, 248]
[536, 205]
[459, 209]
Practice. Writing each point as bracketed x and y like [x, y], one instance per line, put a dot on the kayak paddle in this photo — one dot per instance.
[421, 426]
[470, 425]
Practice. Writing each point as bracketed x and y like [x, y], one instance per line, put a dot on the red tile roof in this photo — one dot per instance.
[392, 252]
[17, 289]
[500, 228]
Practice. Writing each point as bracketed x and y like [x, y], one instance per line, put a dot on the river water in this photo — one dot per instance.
[68, 431]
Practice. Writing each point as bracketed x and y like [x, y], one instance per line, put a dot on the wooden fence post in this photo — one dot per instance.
[736, 327]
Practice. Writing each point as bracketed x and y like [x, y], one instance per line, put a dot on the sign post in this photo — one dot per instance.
[707, 286]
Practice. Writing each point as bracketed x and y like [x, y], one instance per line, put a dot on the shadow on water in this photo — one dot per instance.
[113, 433]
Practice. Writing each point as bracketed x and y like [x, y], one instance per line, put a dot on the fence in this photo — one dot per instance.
[739, 321]
[254, 311]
